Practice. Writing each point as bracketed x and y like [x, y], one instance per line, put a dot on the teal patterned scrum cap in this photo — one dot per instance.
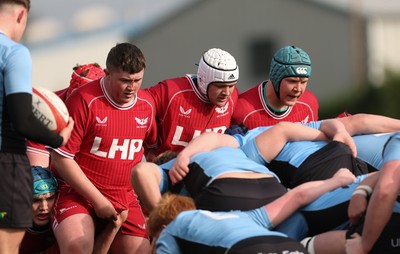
[43, 181]
[289, 61]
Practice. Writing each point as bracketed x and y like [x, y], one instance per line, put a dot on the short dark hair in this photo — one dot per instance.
[24, 3]
[127, 57]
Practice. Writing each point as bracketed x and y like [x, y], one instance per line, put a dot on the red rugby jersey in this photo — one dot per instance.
[183, 113]
[252, 111]
[107, 140]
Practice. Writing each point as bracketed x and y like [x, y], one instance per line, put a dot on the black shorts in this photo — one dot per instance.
[320, 221]
[267, 244]
[324, 163]
[227, 194]
[389, 240]
[16, 188]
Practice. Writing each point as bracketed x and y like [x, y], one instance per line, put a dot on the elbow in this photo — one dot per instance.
[303, 197]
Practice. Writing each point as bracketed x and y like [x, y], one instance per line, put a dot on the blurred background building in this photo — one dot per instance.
[350, 42]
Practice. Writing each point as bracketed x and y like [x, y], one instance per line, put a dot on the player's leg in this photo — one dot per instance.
[75, 234]
[126, 244]
[145, 179]
[10, 239]
[132, 236]
[73, 223]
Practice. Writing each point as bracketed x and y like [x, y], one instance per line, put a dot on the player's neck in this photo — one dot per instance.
[272, 101]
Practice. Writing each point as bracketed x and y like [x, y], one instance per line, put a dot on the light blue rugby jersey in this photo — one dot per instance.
[369, 147]
[14, 57]
[374, 149]
[217, 229]
[334, 197]
[293, 152]
[378, 148]
[219, 161]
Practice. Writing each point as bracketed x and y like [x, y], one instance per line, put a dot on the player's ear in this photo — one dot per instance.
[106, 71]
[21, 15]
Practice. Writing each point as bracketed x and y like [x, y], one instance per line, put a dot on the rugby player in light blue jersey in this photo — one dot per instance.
[202, 231]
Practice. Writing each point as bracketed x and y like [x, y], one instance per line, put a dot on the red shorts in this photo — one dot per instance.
[69, 203]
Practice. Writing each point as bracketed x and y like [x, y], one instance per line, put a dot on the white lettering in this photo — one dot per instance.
[115, 147]
[95, 148]
[176, 140]
[177, 136]
[128, 148]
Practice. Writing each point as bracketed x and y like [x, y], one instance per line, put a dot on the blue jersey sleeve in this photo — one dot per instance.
[164, 169]
[166, 244]
[315, 124]
[250, 135]
[19, 71]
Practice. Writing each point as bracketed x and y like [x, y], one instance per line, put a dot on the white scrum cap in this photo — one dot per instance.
[216, 65]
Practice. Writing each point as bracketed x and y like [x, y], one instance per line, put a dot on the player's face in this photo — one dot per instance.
[41, 208]
[219, 93]
[123, 86]
[291, 89]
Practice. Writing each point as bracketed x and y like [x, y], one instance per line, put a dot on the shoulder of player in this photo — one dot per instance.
[62, 93]
[250, 92]
[308, 95]
[145, 96]
[85, 94]
[250, 99]
[15, 49]
[170, 83]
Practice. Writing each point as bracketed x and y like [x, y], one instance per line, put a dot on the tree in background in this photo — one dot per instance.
[383, 100]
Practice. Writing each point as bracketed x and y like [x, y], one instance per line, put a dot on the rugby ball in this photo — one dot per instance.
[49, 109]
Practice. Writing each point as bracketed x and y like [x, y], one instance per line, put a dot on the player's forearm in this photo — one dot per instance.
[375, 221]
[381, 205]
[209, 141]
[333, 127]
[371, 179]
[70, 171]
[25, 123]
[369, 123]
[271, 141]
[308, 192]
[299, 132]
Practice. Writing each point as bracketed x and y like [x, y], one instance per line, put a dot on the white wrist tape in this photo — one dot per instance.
[367, 189]
[361, 192]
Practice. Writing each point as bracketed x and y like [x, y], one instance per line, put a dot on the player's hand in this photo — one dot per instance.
[105, 210]
[121, 218]
[354, 245]
[345, 137]
[344, 176]
[179, 169]
[357, 207]
[66, 132]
